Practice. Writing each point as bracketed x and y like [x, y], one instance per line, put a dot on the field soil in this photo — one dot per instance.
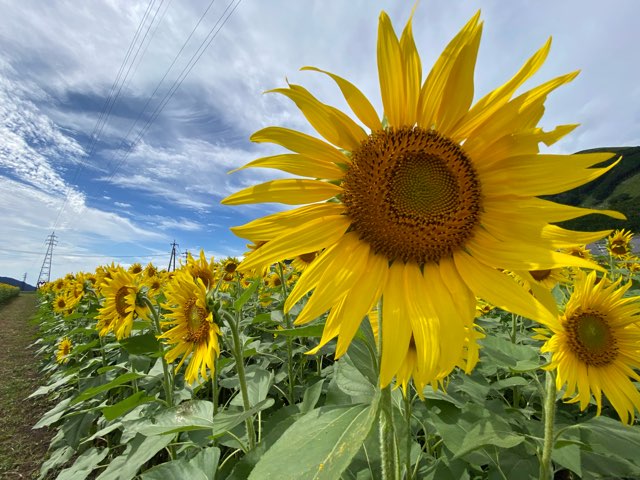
[22, 450]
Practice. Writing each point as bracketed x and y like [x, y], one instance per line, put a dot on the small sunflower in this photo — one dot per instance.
[595, 345]
[619, 244]
[135, 268]
[437, 195]
[230, 264]
[121, 305]
[192, 328]
[203, 269]
[301, 262]
[273, 280]
[64, 348]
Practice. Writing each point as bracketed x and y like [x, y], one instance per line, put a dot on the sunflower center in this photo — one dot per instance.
[412, 194]
[619, 248]
[540, 275]
[121, 301]
[230, 267]
[197, 324]
[591, 339]
[308, 257]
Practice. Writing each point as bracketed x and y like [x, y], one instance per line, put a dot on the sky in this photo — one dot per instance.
[119, 119]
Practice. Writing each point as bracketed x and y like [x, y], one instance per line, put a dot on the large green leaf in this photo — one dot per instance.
[320, 445]
[207, 460]
[511, 356]
[472, 428]
[138, 452]
[84, 464]
[139, 344]
[114, 411]
[194, 415]
[351, 381]
[116, 382]
[54, 414]
[174, 470]
[259, 381]
[246, 295]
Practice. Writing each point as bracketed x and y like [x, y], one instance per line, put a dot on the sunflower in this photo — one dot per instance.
[121, 305]
[619, 243]
[301, 262]
[64, 348]
[427, 209]
[193, 329]
[203, 269]
[580, 251]
[595, 345]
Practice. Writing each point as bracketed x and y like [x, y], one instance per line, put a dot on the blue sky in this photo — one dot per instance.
[126, 199]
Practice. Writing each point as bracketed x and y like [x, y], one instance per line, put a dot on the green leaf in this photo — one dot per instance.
[352, 382]
[140, 344]
[174, 470]
[246, 295]
[311, 397]
[138, 452]
[76, 427]
[114, 411]
[472, 428]
[84, 464]
[58, 457]
[508, 355]
[569, 457]
[207, 460]
[118, 381]
[299, 332]
[320, 445]
[259, 382]
[54, 414]
[194, 415]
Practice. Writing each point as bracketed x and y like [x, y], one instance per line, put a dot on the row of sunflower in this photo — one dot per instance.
[8, 291]
[158, 372]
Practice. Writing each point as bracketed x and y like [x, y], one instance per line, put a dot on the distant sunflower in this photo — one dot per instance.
[595, 345]
[203, 269]
[121, 305]
[192, 327]
[64, 348]
[135, 269]
[619, 243]
[301, 262]
[427, 209]
[230, 264]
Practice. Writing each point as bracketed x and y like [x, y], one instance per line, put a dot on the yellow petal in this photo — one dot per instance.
[300, 143]
[396, 327]
[507, 256]
[298, 165]
[331, 123]
[432, 90]
[337, 281]
[331, 327]
[488, 104]
[356, 100]
[543, 174]
[269, 227]
[290, 191]
[390, 73]
[499, 289]
[309, 237]
[451, 332]
[361, 300]
[329, 261]
[458, 91]
[412, 73]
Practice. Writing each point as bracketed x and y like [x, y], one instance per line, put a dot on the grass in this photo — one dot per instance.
[22, 449]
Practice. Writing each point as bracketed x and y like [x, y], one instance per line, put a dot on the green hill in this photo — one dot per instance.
[618, 189]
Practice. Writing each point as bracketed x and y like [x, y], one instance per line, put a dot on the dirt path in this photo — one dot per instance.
[22, 450]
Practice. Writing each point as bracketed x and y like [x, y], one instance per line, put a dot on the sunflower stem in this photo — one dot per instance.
[289, 324]
[387, 438]
[546, 466]
[234, 324]
[407, 416]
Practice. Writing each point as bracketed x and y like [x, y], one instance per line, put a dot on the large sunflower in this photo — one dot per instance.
[427, 209]
[121, 305]
[595, 345]
[192, 328]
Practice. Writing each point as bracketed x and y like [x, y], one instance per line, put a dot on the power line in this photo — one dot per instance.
[213, 33]
[111, 100]
[78, 255]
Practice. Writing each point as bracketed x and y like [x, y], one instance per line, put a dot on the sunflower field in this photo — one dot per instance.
[418, 314]
[8, 291]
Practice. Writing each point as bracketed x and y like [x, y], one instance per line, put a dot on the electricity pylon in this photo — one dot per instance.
[45, 271]
[172, 259]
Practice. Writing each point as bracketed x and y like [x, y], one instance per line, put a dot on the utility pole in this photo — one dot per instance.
[172, 259]
[186, 256]
[45, 271]
[24, 281]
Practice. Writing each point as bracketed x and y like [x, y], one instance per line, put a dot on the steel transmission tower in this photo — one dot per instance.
[45, 271]
[172, 259]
